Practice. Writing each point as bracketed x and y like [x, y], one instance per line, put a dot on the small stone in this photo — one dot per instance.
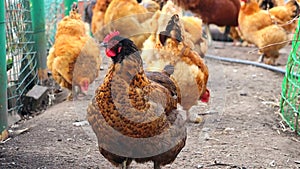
[228, 129]
[243, 94]
[199, 166]
[81, 123]
[51, 129]
[205, 129]
[272, 163]
[206, 137]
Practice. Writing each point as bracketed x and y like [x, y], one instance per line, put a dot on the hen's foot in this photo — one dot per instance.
[70, 97]
[270, 61]
[261, 58]
[194, 118]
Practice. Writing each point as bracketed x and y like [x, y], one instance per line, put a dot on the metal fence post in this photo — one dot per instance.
[68, 4]
[3, 75]
[40, 46]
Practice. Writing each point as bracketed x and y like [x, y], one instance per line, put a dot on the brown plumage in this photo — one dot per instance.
[221, 13]
[74, 59]
[170, 47]
[218, 12]
[99, 10]
[133, 117]
[267, 29]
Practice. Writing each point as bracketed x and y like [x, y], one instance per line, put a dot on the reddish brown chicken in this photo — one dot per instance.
[221, 13]
[133, 117]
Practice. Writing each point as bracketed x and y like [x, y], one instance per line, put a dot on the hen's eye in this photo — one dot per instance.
[112, 43]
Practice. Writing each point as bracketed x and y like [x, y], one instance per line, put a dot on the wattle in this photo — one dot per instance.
[110, 53]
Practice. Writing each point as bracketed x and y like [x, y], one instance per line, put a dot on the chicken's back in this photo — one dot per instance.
[217, 12]
[271, 40]
[98, 15]
[131, 127]
[252, 18]
[71, 25]
[130, 20]
[286, 15]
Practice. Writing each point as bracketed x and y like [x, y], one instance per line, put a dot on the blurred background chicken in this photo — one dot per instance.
[130, 18]
[268, 30]
[133, 117]
[74, 59]
[268, 4]
[235, 33]
[169, 46]
[220, 13]
[88, 12]
[193, 29]
[99, 10]
[191, 24]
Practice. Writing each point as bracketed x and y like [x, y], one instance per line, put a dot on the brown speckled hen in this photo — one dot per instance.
[133, 117]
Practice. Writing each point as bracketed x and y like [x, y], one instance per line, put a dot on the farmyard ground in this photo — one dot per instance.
[242, 127]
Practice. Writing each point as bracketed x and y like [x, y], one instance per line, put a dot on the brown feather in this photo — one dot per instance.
[135, 118]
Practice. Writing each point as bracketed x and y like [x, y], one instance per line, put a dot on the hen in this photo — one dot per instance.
[74, 59]
[131, 19]
[192, 27]
[286, 15]
[259, 27]
[235, 33]
[220, 13]
[99, 10]
[170, 47]
[133, 117]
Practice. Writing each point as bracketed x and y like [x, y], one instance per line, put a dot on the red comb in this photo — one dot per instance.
[110, 36]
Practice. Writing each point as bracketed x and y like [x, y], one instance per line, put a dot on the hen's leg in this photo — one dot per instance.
[124, 165]
[193, 117]
[70, 96]
[261, 58]
[208, 34]
[156, 165]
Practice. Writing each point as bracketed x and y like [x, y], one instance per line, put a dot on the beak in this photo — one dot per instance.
[103, 44]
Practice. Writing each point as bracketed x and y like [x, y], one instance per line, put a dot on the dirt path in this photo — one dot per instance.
[241, 130]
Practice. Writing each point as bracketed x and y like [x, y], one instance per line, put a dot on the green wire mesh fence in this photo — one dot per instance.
[20, 55]
[55, 10]
[290, 96]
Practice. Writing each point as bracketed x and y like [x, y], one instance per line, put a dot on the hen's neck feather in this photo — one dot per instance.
[130, 66]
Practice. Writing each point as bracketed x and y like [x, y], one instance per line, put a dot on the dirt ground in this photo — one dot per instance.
[242, 127]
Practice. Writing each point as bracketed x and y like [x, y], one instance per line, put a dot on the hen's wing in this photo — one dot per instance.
[166, 81]
[135, 122]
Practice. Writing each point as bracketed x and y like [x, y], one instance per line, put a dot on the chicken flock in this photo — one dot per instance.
[157, 66]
